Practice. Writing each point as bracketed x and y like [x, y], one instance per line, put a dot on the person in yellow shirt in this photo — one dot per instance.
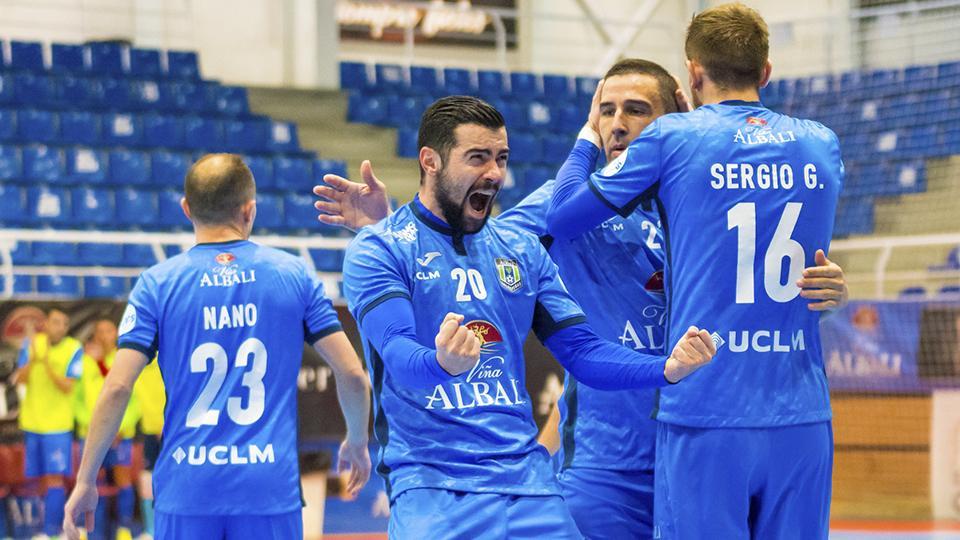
[152, 396]
[49, 365]
[99, 355]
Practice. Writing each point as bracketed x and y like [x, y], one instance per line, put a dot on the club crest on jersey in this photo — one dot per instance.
[406, 234]
[227, 273]
[655, 283]
[614, 166]
[225, 258]
[757, 132]
[508, 273]
[487, 333]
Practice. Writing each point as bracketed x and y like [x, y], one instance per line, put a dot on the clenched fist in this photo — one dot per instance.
[458, 348]
[694, 350]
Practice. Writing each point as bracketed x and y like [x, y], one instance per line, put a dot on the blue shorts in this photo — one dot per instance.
[241, 527]
[440, 514]
[609, 504]
[47, 453]
[743, 483]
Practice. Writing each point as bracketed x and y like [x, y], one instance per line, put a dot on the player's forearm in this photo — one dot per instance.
[604, 365]
[573, 209]
[105, 423]
[389, 330]
[353, 393]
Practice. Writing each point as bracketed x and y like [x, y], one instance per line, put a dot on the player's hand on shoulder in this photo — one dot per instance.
[458, 348]
[824, 284]
[694, 350]
[352, 204]
[79, 510]
[354, 458]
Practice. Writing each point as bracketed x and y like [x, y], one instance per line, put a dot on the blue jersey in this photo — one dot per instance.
[229, 320]
[748, 196]
[473, 432]
[621, 259]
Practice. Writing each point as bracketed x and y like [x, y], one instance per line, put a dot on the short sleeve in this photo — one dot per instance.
[633, 175]
[75, 365]
[139, 326]
[320, 319]
[555, 308]
[371, 275]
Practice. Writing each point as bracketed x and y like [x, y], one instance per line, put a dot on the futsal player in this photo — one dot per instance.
[748, 197]
[228, 318]
[49, 365]
[607, 443]
[444, 302]
[98, 359]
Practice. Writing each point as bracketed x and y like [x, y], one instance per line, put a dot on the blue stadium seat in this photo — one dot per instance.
[556, 149]
[21, 284]
[81, 92]
[525, 148]
[129, 167]
[949, 290]
[367, 109]
[585, 87]
[7, 94]
[42, 163]
[48, 205]
[138, 255]
[8, 125]
[34, 90]
[147, 96]
[80, 127]
[283, 137]
[262, 169]
[405, 110]
[323, 167]
[390, 78]
[540, 115]
[293, 173]
[26, 55]
[514, 113]
[299, 213]
[327, 260]
[183, 64]
[93, 206]
[491, 84]
[95, 254]
[458, 81]
[58, 286]
[104, 287]
[106, 58]
[86, 166]
[915, 292]
[570, 118]
[534, 177]
[122, 129]
[162, 131]
[269, 211]
[136, 208]
[407, 143]
[13, 205]
[67, 58]
[60, 253]
[425, 80]
[118, 94]
[353, 76]
[558, 87]
[525, 85]
[247, 135]
[11, 167]
[22, 253]
[170, 211]
[172, 250]
[37, 126]
[145, 63]
[203, 133]
[186, 96]
[231, 100]
[168, 168]
[919, 78]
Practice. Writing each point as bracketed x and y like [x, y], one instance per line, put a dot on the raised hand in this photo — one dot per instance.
[593, 120]
[81, 504]
[824, 283]
[458, 348]
[352, 204]
[694, 350]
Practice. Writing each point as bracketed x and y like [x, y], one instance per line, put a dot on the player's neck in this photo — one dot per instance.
[429, 201]
[713, 94]
[218, 234]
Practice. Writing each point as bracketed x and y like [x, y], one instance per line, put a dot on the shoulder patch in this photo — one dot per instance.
[128, 321]
[614, 166]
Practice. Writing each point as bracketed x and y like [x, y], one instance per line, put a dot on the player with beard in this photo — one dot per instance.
[459, 450]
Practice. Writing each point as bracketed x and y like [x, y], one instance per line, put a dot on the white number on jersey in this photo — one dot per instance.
[652, 236]
[472, 278]
[743, 217]
[200, 413]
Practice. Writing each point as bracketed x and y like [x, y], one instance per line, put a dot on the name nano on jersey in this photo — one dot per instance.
[229, 320]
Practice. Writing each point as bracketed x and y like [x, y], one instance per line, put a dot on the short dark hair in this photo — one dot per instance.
[441, 119]
[731, 42]
[666, 84]
[216, 187]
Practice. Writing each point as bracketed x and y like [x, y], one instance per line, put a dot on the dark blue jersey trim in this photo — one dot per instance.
[320, 334]
[379, 300]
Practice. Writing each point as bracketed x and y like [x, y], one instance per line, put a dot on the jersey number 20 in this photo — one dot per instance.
[200, 413]
[743, 217]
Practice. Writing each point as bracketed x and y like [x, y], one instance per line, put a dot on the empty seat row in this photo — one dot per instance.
[105, 93]
[866, 83]
[159, 168]
[107, 58]
[250, 134]
[392, 78]
[139, 209]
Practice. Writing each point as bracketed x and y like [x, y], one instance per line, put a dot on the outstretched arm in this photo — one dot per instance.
[351, 204]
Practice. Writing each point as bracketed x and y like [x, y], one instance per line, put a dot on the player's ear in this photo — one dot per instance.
[695, 74]
[767, 70]
[185, 207]
[249, 211]
[430, 161]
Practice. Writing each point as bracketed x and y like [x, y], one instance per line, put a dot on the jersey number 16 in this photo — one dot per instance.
[743, 217]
